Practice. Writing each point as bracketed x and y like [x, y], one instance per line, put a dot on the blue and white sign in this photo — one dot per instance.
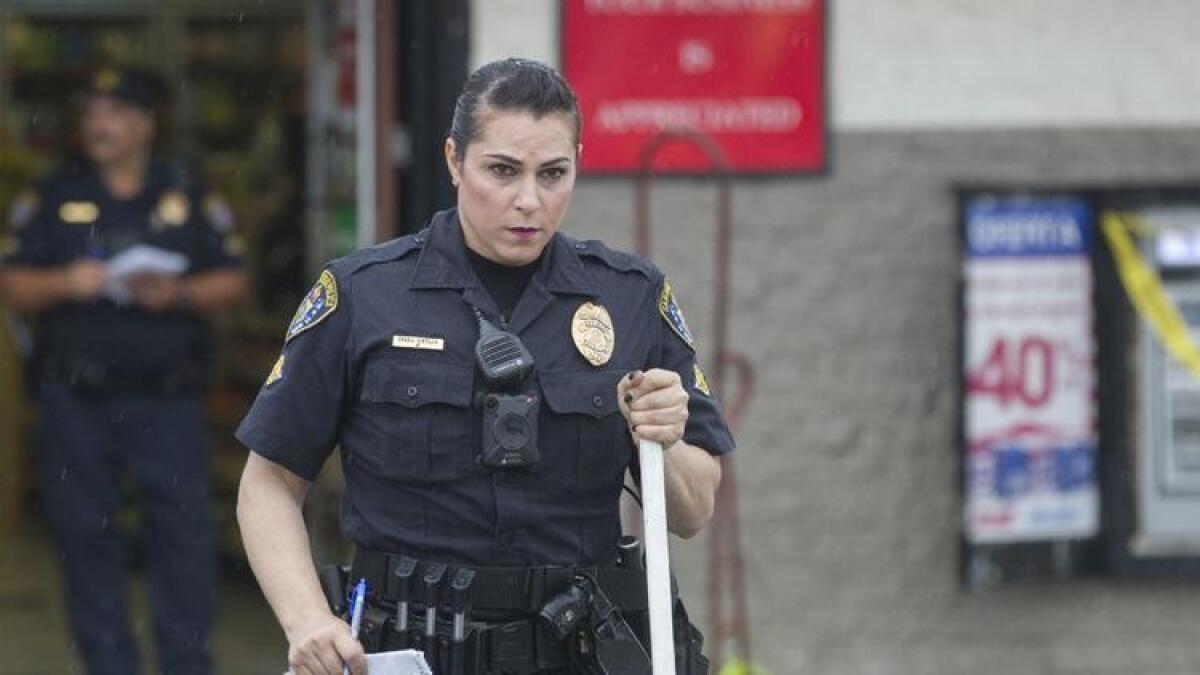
[1030, 409]
[1028, 227]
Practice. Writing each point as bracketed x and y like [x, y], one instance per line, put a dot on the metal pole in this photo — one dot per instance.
[317, 135]
[365, 121]
[385, 81]
[658, 563]
[725, 540]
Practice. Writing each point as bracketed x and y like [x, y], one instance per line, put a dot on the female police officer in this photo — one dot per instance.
[450, 457]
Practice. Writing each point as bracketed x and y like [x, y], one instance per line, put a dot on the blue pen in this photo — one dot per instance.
[357, 600]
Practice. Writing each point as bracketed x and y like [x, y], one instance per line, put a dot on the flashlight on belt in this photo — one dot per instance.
[432, 579]
[460, 605]
[403, 570]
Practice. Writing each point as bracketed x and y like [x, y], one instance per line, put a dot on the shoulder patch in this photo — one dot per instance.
[276, 372]
[320, 302]
[218, 212]
[700, 381]
[669, 309]
[22, 210]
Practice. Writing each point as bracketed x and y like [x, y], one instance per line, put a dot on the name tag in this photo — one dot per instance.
[416, 342]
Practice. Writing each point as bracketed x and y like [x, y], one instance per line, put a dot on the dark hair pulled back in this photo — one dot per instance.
[512, 85]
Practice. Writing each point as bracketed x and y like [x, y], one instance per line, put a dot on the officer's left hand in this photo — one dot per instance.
[155, 292]
[655, 405]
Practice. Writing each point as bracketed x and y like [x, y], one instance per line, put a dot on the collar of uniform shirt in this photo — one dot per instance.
[444, 262]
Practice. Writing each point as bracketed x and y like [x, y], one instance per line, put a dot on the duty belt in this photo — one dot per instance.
[94, 378]
[420, 604]
[511, 592]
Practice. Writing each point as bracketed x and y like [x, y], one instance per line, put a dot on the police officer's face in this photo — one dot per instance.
[514, 183]
[114, 131]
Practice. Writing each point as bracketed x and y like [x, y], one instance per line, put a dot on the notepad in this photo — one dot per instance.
[139, 260]
[407, 662]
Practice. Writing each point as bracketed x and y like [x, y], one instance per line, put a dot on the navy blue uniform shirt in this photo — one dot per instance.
[380, 361]
[72, 215]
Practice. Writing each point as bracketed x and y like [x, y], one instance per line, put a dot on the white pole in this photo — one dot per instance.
[364, 102]
[658, 563]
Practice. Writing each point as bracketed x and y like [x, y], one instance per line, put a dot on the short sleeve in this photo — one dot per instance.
[217, 241]
[296, 417]
[29, 234]
[706, 427]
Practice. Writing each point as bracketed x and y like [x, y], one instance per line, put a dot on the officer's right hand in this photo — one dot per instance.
[85, 279]
[321, 646]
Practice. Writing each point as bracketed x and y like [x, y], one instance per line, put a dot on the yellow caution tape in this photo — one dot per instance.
[740, 667]
[1145, 289]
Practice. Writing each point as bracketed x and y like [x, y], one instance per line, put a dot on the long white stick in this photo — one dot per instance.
[658, 563]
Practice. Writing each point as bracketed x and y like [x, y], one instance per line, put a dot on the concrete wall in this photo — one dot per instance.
[963, 63]
[844, 297]
[1027, 63]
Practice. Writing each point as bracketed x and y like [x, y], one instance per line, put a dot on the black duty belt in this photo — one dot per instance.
[512, 592]
[469, 620]
[94, 378]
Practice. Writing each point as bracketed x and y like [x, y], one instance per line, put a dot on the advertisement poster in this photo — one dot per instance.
[1029, 372]
[749, 73]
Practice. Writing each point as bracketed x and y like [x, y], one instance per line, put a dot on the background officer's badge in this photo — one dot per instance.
[21, 212]
[173, 208]
[669, 308]
[79, 213]
[318, 304]
[276, 372]
[592, 331]
[700, 381]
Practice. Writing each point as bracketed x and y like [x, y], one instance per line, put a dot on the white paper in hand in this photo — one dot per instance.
[138, 260]
[407, 662]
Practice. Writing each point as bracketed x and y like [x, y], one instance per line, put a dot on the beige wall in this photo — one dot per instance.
[963, 63]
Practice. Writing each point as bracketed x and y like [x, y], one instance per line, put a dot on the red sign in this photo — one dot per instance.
[749, 73]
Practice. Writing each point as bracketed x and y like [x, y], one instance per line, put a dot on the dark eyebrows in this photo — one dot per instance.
[513, 160]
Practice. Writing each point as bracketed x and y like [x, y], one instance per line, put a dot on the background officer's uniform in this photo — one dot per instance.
[120, 388]
[380, 360]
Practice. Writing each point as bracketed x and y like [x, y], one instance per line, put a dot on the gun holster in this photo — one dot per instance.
[605, 643]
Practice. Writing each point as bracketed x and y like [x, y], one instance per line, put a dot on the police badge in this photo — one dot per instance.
[173, 209]
[592, 331]
[318, 304]
[22, 210]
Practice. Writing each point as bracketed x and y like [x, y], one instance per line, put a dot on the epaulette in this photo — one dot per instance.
[617, 260]
[387, 251]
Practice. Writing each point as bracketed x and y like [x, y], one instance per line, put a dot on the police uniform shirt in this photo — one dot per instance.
[379, 360]
[72, 215]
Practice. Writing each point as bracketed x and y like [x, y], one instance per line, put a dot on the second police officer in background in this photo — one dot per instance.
[485, 380]
[118, 372]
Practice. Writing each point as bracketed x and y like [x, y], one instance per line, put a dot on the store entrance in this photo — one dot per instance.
[261, 110]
